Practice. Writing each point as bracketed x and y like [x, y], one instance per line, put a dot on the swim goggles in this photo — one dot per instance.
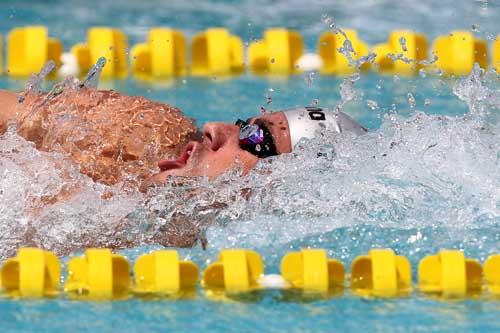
[256, 139]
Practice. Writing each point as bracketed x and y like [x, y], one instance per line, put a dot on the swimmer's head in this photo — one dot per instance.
[225, 146]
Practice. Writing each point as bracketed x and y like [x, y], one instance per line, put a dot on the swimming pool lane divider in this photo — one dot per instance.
[103, 42]
[102, 275]
[276, 53]
[162, 55]
[29, 49]
[216, 52]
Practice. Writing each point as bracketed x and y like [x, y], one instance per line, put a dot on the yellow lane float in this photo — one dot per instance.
[311, 270]
[402, 54]
[492, 274]
[450, 274]
[458, 51]
[335, 62]
[32, 273]
[103, 42]
[216, 52]
[29, 49]
[161, 272]
[163, 55]
[495, 61]
[99, 274]
[381, 273]
[236, 271]
[277, 53]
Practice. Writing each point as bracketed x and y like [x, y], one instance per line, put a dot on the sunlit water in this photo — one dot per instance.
[426, 176]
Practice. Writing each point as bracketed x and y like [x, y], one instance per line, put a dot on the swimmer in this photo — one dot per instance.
[116, 139]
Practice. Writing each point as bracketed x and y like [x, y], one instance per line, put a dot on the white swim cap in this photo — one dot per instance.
[304, 122]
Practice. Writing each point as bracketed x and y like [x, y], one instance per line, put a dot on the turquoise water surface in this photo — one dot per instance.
[438, 188]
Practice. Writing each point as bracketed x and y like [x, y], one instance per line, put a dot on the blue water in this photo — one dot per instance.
[415, 211]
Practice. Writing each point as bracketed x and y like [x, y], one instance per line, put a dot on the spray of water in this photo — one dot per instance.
[347, 49]
[411, 173]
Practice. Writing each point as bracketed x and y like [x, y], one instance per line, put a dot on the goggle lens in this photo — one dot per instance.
[256, 139]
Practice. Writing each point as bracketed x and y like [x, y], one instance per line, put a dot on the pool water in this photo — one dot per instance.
[426, 177]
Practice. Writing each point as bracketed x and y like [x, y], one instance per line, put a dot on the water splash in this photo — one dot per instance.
[330, 22]
[412, 173]
[373, 105]
[94, 74]
[309, 79]
[402, 42]
[347, 91]
[411, 100]
[474, 91]
[35, 82]
[430, 61]
[347, 49]
[68, 83]
[400, 57]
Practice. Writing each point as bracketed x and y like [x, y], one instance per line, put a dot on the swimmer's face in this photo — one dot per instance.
[220, 149]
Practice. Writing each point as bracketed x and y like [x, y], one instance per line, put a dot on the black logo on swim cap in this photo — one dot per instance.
[315, 113]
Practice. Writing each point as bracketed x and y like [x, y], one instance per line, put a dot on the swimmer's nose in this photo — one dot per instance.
[219, 134]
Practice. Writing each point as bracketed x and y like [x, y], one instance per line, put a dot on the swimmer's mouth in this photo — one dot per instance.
[181, 161]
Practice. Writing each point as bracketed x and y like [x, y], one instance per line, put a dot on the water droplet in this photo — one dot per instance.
[309, 79]
[373, 105]
[411, 100]
[402, 42]
[94, 74]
